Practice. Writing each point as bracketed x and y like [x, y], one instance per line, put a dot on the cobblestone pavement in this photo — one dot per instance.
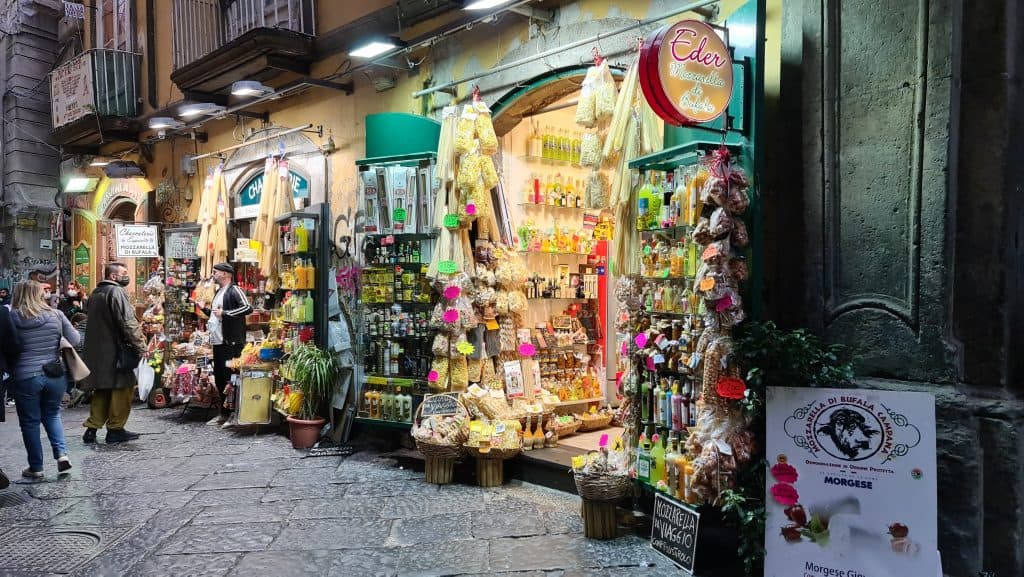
[189, 499]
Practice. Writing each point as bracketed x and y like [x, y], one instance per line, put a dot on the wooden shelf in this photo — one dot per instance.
[578, 402]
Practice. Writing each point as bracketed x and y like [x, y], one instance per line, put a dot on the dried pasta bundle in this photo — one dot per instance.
[470, 166]
[590, 150]
[597, 190]
[459, 371]
[439, 366]
[474, 368]
[622, 113]
[466, 130]
[586, 108]
[490, 174]
[605, 94]
[485, 129]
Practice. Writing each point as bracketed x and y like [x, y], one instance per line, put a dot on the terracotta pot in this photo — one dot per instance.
[304, 434]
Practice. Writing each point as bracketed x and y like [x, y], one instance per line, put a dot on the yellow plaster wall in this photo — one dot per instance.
[343, 116]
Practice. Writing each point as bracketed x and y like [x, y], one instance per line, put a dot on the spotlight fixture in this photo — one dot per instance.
[250, 88]
[375, 46]
[485, 4]
[200, 109]
[79, 184]
[99, 161]
[163, 123]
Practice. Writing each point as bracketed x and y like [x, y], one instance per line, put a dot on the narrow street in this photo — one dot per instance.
[188, 499]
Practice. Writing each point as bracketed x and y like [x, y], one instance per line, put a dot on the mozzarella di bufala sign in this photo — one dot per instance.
[686, 73]
[137, 241]
[851, 486]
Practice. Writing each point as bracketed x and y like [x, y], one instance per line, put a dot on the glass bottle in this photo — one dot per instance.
[576, 147]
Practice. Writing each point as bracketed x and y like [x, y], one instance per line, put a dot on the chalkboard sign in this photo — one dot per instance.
[674, 531]
[440, 405]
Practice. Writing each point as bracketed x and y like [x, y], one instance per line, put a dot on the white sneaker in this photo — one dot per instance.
[218, 421]
[228, 424]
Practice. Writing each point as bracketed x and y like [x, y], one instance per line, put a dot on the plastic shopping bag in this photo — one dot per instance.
[145, 376]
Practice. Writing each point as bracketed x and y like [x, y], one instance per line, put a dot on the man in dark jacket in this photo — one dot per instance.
[112, 324]
[10, 349]
[227, 329]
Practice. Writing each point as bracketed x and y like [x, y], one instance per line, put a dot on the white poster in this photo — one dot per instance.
[71, 94]
[851, 483]
[138, 241]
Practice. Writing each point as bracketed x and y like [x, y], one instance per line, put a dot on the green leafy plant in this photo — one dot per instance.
[313, 371]
[774, 357]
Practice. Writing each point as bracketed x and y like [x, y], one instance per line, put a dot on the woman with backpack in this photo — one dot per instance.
[37, 378]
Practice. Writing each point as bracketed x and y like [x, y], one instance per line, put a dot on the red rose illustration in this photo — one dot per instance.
[785, 494]
[797, 515]
[784, 473]
[791, 534]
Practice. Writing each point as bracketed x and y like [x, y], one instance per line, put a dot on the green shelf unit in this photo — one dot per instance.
[381, 423]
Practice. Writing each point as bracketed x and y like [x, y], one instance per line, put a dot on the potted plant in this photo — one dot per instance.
[313, 373]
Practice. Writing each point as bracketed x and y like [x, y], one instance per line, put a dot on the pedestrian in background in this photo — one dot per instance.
[5, 298]
[38, 380]
[10, 350]
[115, 336]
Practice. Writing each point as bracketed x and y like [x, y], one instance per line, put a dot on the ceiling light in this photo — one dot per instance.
[200, 109]
[99, 161]
[163, 123]
[81, 184]
[250, 88]
[485, 4]
[375, 47]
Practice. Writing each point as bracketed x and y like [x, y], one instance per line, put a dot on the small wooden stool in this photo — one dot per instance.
[440, 470]
[490, 472]
[600, 519]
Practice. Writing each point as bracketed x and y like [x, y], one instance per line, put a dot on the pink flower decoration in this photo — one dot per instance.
[451, 316]
[784, 473]
[723, 303]
[527, 350]
[452, 292]
[432, 376]
[471, 209]
[785, 494]
[641, 340]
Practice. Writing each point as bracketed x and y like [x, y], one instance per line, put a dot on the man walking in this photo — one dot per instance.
[112, 325]
[227, 330]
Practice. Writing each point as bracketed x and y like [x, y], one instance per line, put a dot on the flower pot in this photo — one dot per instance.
[304, 434]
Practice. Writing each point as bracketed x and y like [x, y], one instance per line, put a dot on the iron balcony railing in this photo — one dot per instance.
[202, 26]
[101, 81]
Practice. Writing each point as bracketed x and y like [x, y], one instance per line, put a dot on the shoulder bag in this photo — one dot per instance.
[55, 369]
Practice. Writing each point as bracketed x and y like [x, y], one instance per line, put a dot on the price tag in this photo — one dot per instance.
[471, 209]
[452, 292]
[448, 267]
[694, 360]
[707, 284]
[641, 340]
[527, 350]
[398, 215]
[659, 359]
[387, 240]
[451, 221]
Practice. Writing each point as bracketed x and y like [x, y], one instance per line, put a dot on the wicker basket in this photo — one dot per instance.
[595, 423]
[563, 430]
[439, 451]
[494, 453]
[602, 487]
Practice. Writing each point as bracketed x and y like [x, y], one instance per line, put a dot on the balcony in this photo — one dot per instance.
[217, 42]
[95, 98]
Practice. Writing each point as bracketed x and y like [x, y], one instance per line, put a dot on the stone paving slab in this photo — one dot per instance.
[198, 500]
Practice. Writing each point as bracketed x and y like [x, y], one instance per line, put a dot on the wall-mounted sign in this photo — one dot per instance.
[83, 265]
[182, 244]
[247, 205]
[851, 484]
[686, 73]
[137, 241]
[71, 94]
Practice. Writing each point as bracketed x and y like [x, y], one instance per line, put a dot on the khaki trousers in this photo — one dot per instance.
[109, 407]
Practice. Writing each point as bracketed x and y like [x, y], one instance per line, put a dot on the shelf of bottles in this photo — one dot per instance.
[297, 271]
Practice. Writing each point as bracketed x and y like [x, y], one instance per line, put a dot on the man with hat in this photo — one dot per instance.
[227, 330]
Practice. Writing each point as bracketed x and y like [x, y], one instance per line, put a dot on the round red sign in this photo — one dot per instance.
[686, 73]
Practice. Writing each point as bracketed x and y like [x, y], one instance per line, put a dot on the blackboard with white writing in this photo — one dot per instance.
[440, 405]
[674, 531]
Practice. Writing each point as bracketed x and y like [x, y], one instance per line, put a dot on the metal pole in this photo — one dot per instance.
[254, 141]
[559, 49]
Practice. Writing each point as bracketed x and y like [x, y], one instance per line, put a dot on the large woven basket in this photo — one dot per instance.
[602, 487]
[439, 451]
[564, 430]
[442, 451]
[595, 423]
[494, 453]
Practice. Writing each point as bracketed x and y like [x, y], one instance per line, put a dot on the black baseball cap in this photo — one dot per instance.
[224, 267]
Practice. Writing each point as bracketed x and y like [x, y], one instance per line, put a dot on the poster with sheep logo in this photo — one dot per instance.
[851, 483]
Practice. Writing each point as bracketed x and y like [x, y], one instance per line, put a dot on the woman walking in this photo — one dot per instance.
[38, 380]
